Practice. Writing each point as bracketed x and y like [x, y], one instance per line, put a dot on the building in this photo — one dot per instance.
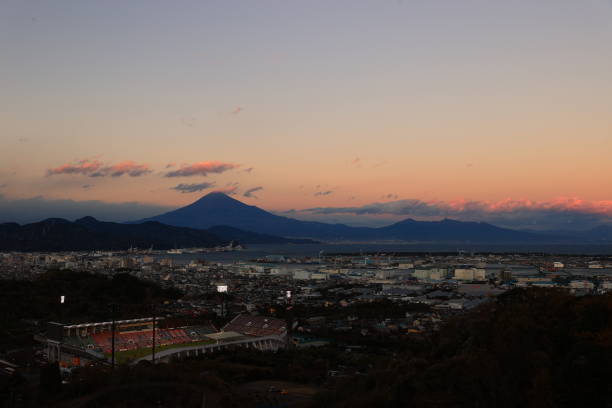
[505, 275]
[301, 274]
[582, 284]
[434, 274]
[471, 274]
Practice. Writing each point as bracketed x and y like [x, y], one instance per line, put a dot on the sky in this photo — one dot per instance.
[362, 112]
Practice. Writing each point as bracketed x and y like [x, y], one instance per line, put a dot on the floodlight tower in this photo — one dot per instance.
[61, 318]
[222, 292]
[289, 317]
[61, 308]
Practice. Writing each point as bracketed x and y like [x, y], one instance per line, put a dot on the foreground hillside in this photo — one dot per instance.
[532, 348]
[526, 348]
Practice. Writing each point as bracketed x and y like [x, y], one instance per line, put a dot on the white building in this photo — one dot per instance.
[434, 274]
[301, 274]
[471, 274]
[384, 274]
[280, 271]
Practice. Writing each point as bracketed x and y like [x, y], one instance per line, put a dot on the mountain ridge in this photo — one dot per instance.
[220, 209]
[58, 234]
[87, 233]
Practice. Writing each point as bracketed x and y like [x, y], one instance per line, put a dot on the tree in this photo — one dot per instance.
[50, 379]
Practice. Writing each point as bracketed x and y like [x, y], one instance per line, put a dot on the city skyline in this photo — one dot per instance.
[357, 112]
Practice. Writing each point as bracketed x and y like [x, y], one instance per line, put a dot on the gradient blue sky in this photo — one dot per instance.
[333, 104]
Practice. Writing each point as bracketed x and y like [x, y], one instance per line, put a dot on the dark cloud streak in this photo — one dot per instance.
[323, 193]
[192, 188]
[229, 190]
[202, 169]
[250, 191]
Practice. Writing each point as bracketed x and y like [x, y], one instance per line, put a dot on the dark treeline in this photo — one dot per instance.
[531, 348]
[88, 298]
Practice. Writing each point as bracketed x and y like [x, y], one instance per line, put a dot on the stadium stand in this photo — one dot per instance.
[257, 326]
[130, 340]
[139, 334]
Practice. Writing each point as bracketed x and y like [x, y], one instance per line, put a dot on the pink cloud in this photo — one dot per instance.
[508, 205]
[127, 167]
[237, 110]
[202, 169]
[84, 167]
[95, 168]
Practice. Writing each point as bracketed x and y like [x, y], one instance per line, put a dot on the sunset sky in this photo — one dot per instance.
[361, 112]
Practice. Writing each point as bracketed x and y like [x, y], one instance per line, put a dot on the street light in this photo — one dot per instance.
[289, 317]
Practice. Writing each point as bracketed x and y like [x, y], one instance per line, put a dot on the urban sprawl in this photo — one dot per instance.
[278, 301]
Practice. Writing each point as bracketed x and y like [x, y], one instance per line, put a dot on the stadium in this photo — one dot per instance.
[134, 340]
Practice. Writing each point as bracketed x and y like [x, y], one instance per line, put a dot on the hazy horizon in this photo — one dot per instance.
[30, 210]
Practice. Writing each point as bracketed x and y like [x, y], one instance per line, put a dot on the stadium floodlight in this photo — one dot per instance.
[288, 294]
[62, 299]
[222, 288]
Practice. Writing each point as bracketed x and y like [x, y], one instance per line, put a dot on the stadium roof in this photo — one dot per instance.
[82, 325]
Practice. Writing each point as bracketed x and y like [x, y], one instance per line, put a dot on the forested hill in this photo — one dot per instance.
[530, 348]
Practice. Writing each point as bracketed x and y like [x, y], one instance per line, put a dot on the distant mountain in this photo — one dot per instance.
[219, 233]
[56, 234]
[219, 209]
[451, 230]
